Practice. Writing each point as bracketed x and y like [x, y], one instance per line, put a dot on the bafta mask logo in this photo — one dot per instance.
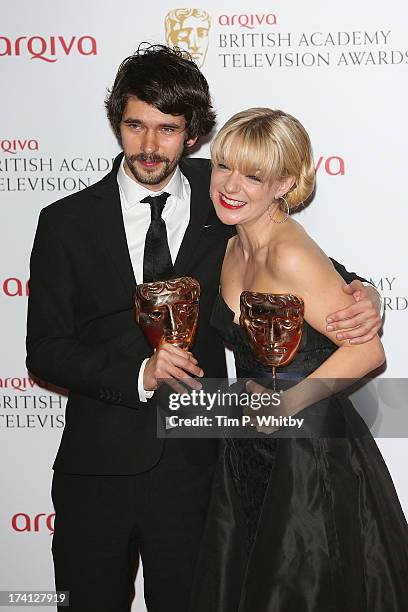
[188, 29]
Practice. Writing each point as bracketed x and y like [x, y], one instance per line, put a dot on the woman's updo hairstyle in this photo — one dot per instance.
[271, 145]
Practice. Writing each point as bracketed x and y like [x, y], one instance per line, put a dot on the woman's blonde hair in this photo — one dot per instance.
[271, 145]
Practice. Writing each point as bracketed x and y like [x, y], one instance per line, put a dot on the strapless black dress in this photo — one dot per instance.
[301, 524]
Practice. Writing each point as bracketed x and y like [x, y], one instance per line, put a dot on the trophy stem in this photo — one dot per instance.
[274, 378]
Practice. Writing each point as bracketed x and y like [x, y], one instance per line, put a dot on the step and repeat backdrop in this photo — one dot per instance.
[341, 68]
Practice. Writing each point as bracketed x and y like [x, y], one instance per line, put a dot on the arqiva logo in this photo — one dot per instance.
[24, 144]
[21, 383]
[333, 165]
[15, 287]
[23, 522]
[47, 48]
[248, 20]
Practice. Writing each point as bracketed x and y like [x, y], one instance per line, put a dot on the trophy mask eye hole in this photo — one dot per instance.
[289, 324]
[186, 308]
[258, 323]
[156, 315]
[283, 321]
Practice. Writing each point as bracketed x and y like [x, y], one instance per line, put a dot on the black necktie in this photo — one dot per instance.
[157, 264]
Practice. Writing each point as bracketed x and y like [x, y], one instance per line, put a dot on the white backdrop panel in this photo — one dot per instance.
[340, 68]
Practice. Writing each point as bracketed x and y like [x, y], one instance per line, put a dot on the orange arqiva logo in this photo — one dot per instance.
[188, 29]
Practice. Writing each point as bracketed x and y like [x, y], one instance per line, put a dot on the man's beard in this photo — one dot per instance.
[156, 175]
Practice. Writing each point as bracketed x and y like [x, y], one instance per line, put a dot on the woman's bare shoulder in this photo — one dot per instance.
[295, 251]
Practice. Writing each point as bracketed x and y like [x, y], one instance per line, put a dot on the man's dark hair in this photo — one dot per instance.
[167, 79]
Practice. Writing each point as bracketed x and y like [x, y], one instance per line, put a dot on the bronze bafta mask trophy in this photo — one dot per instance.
[274, 326]
[167, 311]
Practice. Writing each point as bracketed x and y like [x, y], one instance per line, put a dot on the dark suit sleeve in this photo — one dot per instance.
[54, 351]
[345, 274]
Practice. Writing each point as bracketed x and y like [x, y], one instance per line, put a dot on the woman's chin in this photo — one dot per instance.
[227, 217]
[227, 221]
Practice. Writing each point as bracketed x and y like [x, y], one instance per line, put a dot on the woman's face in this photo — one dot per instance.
[239, 199]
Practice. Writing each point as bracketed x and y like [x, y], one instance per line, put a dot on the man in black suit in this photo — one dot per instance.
[118, 489]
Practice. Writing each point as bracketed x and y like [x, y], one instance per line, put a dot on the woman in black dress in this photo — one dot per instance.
[296, 524]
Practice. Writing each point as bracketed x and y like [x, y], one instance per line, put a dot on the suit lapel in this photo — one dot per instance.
[199, 209]
[109, 220]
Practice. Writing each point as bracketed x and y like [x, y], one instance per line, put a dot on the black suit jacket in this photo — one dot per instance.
[81, 329]
[81, 332]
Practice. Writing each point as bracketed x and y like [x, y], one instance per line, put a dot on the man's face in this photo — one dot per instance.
[167, 311]
[152, 143]
[274, 325]
[191, 34]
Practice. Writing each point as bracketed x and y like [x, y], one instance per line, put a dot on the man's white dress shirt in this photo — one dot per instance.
[136, 219]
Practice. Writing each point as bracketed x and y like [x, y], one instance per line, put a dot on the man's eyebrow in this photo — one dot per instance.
[161, 125]
[130, 120]
[172, 125]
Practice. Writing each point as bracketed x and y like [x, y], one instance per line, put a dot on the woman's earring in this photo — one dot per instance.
[284, 207]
